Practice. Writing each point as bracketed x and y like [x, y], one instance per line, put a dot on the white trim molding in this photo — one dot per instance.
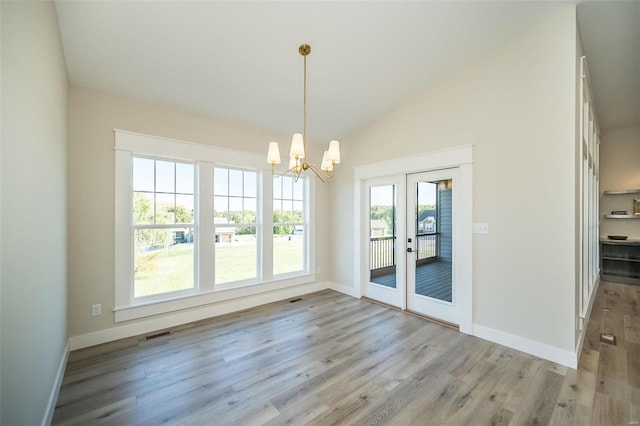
[57, 384]
[584, 321]
[174, 319]
[458, 157]
[440, 159]
[128, 313]
[345, 289]
[205, 292]
[542, 350]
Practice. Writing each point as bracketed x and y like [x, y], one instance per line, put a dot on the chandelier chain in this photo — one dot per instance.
[304, 128]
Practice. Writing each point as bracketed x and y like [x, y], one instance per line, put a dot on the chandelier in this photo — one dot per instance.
[298, 152]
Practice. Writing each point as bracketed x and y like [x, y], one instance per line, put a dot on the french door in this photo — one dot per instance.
[431, 256]
[410, 248]
[385, 262]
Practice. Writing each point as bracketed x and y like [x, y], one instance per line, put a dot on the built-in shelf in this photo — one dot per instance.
[621, 216]
[620, 261]
[622, 192]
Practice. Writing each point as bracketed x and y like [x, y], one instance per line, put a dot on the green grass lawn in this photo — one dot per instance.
[165, 270]
[171, 269]
[236, 261]
[287, 254]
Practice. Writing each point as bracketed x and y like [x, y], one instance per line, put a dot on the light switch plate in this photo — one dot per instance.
[480, 228]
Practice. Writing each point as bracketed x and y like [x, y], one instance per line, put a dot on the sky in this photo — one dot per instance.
[383, 195]
[234, 190]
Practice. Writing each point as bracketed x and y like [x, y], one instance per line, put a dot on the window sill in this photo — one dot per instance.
[226, 293]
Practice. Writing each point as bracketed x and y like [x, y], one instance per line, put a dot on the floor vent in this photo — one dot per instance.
[608, 338]
[606, 309]
[610, 292]
[155, 336]
[295, 300]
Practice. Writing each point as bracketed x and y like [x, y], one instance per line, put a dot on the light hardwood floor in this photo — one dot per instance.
[332, 359]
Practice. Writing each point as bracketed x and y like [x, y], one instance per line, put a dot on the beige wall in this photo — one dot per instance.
[94, 115]
[619, 169]
[517, 107]
[34, 209]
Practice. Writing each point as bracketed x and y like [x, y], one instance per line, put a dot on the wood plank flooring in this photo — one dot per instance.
[332, 359]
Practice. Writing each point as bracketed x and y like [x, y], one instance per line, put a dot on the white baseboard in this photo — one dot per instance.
[55, 390]
[184, 317]
[350, 291]
[542, 350]
[585, 322]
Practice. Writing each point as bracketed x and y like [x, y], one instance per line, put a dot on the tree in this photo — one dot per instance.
[182, 215]
[148, 239]
[383, 213]
[286, 217]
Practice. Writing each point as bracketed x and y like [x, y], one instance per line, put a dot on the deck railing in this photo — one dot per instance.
[382, 249]
[382, 252]
[427, 245]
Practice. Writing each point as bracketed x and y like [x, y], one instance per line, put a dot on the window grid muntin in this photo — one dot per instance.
[205, 158]
[155, 192]
[294, 194]
[224, 196]
[280, 200]
[242, 198]
[177, 226]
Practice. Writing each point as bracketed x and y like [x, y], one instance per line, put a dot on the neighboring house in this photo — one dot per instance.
[184, 236]
[427, 221]
[379, 228]
[224, 234]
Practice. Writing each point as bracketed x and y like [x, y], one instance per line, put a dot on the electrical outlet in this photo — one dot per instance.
[480, 228]
[96, 310]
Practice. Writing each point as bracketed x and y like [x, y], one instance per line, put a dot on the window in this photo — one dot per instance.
[235, 223]
[163, 230]
[288, 225]
[196, 225]
[589, 184]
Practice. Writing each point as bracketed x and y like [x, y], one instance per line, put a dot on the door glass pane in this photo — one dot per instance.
[382, 235]
[433, 236]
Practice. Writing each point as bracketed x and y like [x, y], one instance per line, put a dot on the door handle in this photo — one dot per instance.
[409, 250]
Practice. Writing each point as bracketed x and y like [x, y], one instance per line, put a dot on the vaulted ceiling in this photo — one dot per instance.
[239, 60]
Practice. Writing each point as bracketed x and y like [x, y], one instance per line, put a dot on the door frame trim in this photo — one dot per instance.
[460, 157]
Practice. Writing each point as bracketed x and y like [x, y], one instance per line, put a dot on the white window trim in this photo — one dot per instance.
[129, 144]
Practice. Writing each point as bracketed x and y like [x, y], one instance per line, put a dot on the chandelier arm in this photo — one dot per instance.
[292, 169]
[320, 176]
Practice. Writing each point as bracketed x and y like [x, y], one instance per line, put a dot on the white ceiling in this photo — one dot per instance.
[239, 60]
[611, 35]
